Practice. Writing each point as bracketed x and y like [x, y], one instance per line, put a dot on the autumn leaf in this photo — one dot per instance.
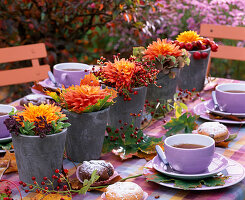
[40, 196]
[9, 157]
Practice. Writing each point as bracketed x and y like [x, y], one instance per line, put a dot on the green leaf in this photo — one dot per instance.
[100, 105]
[231, 137]
[2, 195]
[129, 146]
[186, 184]
[6, 146]
[55, 96]
[185, 123]
[65, 125]
[214, 181]
[88, 183]
[183, 106]
[13, 112]
[63, 118]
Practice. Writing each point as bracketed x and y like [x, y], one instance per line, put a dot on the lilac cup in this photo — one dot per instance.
[189, 161]
[231, 102]
[69, 78]
[4, 109]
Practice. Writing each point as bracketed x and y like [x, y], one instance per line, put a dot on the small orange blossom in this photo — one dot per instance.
[162, 47]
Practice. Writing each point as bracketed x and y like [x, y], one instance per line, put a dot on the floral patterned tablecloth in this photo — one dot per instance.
[235, 151]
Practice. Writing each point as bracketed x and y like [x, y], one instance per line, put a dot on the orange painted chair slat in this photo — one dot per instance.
[27, 74]
[225, 32]
[224, 52]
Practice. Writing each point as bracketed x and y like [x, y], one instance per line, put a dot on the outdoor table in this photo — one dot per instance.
[130, 167]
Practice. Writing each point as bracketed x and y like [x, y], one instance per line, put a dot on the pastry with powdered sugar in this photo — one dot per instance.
[215, 130]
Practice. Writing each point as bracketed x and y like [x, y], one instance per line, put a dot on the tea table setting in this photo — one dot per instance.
[127, 129]
[228, 162]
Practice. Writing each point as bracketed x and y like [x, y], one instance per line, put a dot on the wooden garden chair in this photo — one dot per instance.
[225, 32]
[27, 74]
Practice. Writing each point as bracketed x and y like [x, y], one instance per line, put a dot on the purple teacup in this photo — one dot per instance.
[4, 114]
[231, 97]
[69, 74]
[189, 153]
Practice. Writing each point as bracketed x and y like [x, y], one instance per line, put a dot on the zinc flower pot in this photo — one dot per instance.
[39, 157]
[121, 110]
[193, 76]
[168, 87]
[86, 135]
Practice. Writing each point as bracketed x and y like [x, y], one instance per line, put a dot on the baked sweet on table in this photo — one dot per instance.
[124, 191]
[104, 169]
[215, 130]
[34, 99]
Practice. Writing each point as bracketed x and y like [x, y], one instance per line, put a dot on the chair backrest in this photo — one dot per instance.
[27, 74]
[225, 32]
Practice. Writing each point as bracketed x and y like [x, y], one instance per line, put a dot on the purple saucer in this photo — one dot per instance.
[235, 171]
[218, 164]
[201, 110]
[47, 83]
[209, 105]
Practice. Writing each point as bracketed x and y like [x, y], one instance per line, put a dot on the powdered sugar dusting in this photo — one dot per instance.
[124, 190]
[99, 165]
[212, 128]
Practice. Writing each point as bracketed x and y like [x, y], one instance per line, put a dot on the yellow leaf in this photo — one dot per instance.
[12, 165]
[40, 196]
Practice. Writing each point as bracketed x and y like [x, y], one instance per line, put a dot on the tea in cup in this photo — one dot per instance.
[69, 74]
[4, 114]
[189, 153]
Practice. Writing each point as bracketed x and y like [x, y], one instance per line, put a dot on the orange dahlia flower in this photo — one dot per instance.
[120, 72]
[188, 37]
[87, 97]
[162, 47]
[32, 112]
[120, 69]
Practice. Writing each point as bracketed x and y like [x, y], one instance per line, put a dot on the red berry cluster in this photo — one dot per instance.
[119, 133]
[7, 193]
[198, 45]
[44, 184]
[156, 111]
[184, 95]
[143, 75]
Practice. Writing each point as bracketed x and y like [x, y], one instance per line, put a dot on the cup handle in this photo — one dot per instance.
[63, 77]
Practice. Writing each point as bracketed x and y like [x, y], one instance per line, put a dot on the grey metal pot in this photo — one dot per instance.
[121, 109]
[167, 90]
[86, 134]
[193, 76]
[39, 157]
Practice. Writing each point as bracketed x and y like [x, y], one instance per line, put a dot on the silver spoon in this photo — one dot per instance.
[161, 155]
[52, 78]
[216, 105]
